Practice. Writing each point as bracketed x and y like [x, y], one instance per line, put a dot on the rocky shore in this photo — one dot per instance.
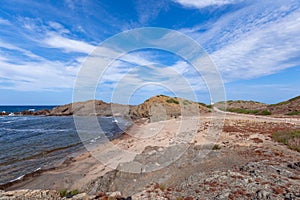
[151, 108]
[244, 163]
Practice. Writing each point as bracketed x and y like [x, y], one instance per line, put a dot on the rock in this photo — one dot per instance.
[289, 196]
[29, 194]
[262, 194]
[115, 194]
[295, 165]
[83, 196]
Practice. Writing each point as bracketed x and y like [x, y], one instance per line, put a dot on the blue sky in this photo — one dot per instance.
[254, 44]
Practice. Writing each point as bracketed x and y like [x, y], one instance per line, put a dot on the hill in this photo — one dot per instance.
[163, 107]
[156, 108]
[91, 108]
[241, 104]
[290, 107]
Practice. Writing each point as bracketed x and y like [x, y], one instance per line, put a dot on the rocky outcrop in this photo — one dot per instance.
[157, 108]
[91, 108]
[254, 180]
[29, 194]
[56, 195]
[163, 107]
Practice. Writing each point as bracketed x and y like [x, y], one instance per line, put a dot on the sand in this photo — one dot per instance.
[80, 171]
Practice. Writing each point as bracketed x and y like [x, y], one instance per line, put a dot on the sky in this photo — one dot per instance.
[254, 45]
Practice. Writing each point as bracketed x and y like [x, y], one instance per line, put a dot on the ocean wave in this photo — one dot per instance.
[23, 175]
[17, 179]
[7, 122]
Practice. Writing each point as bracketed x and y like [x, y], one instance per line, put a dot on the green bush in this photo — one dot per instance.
[203, 104]
[66, 193]
[161, 95]
[243, 111]
[265, 112]
[186, 102]
[172, 101]
[216, 147]
[63, 192]
[162, 187]
[289, 138]
[294, 113]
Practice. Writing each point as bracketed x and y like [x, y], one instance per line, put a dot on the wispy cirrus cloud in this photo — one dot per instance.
[67, 44]
[205, 3]
[4, 22]
[150, 10]
[257, 40]
[22, 69]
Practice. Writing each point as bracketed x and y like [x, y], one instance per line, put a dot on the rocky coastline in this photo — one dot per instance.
[245, 162]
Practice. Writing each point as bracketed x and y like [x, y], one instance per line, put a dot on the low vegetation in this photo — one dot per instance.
[172, 100]
[246, 111]
[289, 138]
[68, 194]
[186, 102]
[216, 147]
[162, 187]
[264, 112]
[205, 105]
[294, 113]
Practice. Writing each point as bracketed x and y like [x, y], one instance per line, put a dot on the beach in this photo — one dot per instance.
[153, 153]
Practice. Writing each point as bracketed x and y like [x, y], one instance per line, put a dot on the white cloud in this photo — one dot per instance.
[136, 70]
[58, 27]
[52, 34]
[35, 73]
[205, 3]
[37, 76]
[255, 41]
[68, 45]
[24, 51]
[4, 22]
[150, 10]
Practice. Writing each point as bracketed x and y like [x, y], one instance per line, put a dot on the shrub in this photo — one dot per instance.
[294, 113]
[203, 104]
[162, 187]
[186, 102]
[243, 111]
[172, 101]
[265, 112]
[65, 193]
[161, 95]
[289, 138]
[216, 147]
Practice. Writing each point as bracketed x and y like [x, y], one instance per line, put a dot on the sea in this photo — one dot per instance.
[32, 143]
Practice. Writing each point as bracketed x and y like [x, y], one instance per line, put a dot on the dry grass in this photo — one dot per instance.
[289, 138]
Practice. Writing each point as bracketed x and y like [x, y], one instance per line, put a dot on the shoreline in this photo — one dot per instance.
[81, 159]
[59, 164]
[89, 175]
[55, 164]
